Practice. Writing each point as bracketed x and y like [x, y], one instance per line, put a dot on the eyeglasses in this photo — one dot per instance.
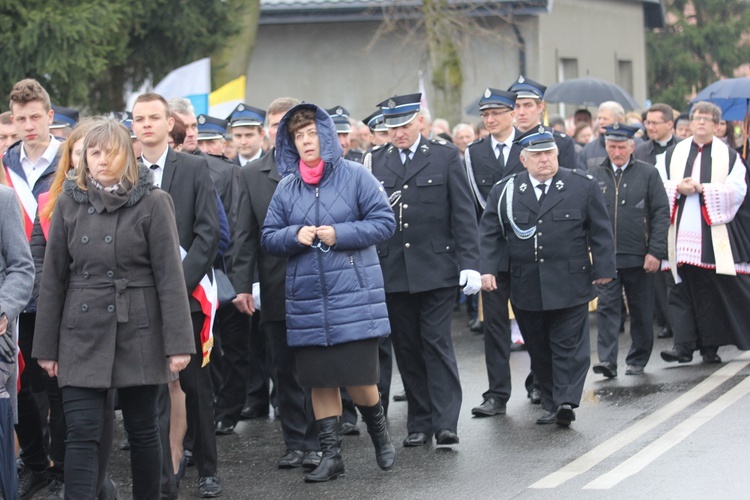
[702, 118]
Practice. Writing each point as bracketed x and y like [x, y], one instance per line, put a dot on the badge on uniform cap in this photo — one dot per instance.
[487, 93]
[616, 125]
[522, 187]
[520, 79]
[339, 110]
[202, 120]
[391, 103]
[541, 129]
[559, 185]
[241, 107]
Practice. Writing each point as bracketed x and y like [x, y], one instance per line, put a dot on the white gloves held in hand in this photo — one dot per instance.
[471, 281]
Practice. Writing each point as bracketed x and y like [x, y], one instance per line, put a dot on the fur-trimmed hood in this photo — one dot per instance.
[143, 186]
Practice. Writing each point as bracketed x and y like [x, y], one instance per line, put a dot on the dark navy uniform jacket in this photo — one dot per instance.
[436, 234]
[552, 269]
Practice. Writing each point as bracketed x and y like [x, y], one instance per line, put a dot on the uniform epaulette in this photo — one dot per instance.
[476, 141]
[441, 142]
[582, 174]
[378, 147]
[557, 132]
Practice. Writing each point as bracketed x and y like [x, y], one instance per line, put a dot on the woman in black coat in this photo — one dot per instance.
[116, 314]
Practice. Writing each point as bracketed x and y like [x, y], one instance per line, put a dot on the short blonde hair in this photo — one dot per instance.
[108, 134]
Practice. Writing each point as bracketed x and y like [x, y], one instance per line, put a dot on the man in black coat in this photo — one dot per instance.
[434, 249]
[639, 210]
[487, 161]
[557, 216]
[528, 111]
[194, 198]
[260, 178]
[660, 126]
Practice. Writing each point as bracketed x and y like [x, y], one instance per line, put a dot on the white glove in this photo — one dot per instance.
[256, 295]
[472, 281]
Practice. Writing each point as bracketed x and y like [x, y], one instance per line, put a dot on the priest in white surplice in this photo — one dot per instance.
[708, 243]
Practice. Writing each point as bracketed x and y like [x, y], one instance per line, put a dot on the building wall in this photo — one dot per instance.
[345, 64]
[598, 34]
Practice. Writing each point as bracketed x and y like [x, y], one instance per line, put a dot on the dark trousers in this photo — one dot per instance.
[663, 283]
[421, 333]
[295, 403]
[85, 412]
[258, 394]
[234, 353]
[30, 427]
[195, 382]
[8, 473]
[639, 290]
[497, 339]
[558, 344]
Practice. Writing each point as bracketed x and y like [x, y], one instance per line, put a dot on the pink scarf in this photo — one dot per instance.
[311, 175]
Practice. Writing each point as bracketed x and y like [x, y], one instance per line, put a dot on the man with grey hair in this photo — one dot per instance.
[542, 228]
[639, 213]
[463, 135]
[594, 153]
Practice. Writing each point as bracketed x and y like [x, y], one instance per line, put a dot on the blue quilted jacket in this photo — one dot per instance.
[333, 295]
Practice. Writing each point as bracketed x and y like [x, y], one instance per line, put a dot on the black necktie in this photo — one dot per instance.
[618, 174]
[154, 166]
[407, 159]
[543, 188]
[500, 157]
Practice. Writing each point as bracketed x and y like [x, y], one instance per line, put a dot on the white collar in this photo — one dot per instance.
[508, 142]
[49, 153]
[160, 162]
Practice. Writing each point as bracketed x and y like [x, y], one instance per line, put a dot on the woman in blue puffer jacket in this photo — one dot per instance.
[326, 217]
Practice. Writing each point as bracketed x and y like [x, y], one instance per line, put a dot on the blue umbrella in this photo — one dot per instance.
[732, 95]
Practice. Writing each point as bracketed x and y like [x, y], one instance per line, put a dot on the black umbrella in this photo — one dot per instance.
[588, 91]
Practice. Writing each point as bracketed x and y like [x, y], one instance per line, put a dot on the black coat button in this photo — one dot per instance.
[85, 307]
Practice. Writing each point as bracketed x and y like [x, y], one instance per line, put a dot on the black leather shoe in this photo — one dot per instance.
[490, 406]
[711, 358]
[31, 481]
[535, 396]
[187, 456]
[209, 487]
[548, 417]
[517, 347]
[311, 460]
[607, 369]
[665, 333]
[249, 412]
[349, 429]
[291, 459]
[223, 429]
[678, 355]
[416, 439]
[400, 396]
[634, 370]
[565, 415]
[475, 325]
[446, 437]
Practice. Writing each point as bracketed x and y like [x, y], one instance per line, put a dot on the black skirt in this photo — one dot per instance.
[342, 365]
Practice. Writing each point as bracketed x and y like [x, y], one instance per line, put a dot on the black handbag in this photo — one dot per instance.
[225, 289]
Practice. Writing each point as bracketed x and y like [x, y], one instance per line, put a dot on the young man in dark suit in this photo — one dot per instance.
[186, 178]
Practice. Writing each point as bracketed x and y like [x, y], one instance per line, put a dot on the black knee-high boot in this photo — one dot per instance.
[374, 417]
[331, 464]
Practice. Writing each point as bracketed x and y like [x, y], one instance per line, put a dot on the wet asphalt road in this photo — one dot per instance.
[679, 431]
